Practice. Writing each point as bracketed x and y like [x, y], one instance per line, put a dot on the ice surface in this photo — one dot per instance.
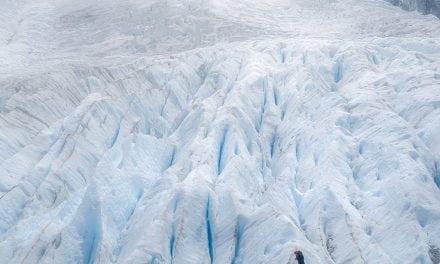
[218, 132]
[424, 6]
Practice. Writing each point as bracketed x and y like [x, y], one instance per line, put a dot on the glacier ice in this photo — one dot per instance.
[424, 6]
[218, 132]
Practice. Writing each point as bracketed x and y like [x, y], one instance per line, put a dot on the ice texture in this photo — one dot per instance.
[424, 6]
[147, 131]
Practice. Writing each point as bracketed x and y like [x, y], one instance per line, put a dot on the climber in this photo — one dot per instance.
[299, 257]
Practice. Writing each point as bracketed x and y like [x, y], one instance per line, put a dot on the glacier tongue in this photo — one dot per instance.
[218, 132]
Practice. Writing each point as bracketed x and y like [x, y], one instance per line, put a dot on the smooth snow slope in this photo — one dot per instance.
[218, 132]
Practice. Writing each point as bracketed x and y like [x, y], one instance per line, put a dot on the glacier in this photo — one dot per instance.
[147, 131]
[424, 6]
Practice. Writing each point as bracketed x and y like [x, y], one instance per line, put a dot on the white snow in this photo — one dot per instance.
[218, 132]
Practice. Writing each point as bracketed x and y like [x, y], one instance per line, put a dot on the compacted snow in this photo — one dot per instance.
[144, 131]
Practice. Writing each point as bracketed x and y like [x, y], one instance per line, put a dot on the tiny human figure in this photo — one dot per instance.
[299, 257]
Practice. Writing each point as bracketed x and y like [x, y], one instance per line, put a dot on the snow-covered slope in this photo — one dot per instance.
[218, 132]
